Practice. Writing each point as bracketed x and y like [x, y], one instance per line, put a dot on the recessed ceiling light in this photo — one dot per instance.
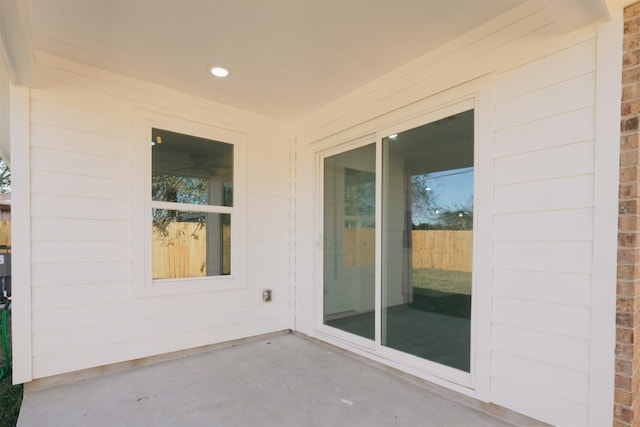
[219, 71]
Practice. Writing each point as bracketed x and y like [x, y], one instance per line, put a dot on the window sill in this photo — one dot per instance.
[192, 285]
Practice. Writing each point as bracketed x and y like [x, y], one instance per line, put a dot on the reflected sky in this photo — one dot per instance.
[448, 190]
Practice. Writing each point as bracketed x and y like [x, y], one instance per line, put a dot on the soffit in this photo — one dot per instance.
[287, 58]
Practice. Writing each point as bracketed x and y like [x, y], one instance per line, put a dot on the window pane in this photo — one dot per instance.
[428, 240]
[188, 169]
[349, 229]
[190, 244]
[359, 193]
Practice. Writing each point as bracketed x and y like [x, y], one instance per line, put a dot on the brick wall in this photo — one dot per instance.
[627, 387]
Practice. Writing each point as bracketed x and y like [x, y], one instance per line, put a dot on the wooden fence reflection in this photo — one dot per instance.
[5, 233]
[442, 249]
[181, 250]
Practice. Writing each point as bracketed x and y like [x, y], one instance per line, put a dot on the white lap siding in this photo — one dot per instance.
[544, 196]
[84, 310]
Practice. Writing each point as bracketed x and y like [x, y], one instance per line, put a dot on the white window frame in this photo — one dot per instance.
[143, 282]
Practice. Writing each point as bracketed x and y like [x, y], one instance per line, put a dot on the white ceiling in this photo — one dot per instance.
[287, 58]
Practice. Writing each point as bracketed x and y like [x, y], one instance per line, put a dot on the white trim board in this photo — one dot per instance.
[21, 230]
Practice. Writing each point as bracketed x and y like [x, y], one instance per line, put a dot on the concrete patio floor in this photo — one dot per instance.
[283, 380]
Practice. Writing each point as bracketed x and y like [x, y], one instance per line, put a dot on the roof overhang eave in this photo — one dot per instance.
[15, 41]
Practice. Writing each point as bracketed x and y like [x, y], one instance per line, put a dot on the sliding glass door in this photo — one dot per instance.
[417, 196]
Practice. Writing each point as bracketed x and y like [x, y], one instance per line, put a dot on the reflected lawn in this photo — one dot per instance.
[447, 281]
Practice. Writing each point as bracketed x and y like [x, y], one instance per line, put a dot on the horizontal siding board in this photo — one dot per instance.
[538, 405]
[567, 320]
[560, 288]
[258, 170]
[276, 264]
[553, 194]
[275, 159]
[53, 89]
[52, 274]
[268, 234]
[180, 307]
[268, 187]
[267, 219]
[562, 129]
[85, 294]
[80, 251]
[59, 229]
[567, 257]
[55, 183]
[556, 67]
[267, 249]
[96, 333]
[282, 144]
[553, 349]
[63, 139]
[550, 101]
[48, 206]
[563, 225]
[262, 203]
[261, 280]
[67, 162]
[540, 44]
[564, 383]
[559, 162]
[81, 119]
[76, 359]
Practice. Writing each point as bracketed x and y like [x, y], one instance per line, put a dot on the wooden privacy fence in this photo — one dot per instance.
[181, 250]
[5, 233]
[442, 249]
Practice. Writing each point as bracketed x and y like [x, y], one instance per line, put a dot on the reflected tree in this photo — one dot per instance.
[460, 217]
[423, 199]
[180, 189]
[5, 178]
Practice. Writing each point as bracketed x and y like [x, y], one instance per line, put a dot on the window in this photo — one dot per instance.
[192, 192]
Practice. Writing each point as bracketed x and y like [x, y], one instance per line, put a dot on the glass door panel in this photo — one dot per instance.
[349, 241]
[427, 240]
